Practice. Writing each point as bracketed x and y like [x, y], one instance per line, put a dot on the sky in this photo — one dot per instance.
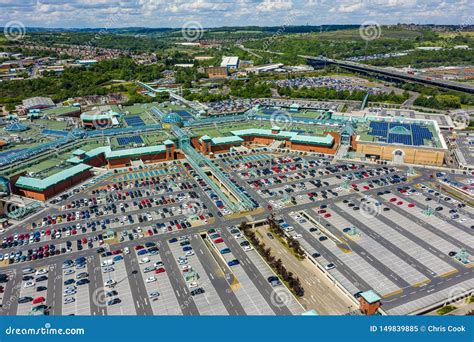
[216, 13]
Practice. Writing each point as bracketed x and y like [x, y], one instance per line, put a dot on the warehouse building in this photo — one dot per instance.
[230, 62]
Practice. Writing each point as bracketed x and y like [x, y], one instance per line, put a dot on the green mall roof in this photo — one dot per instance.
[42, 184]
[226, 140]
[370, 296]
[306, 139]
[326, 140]
[135, 151]
[264, 133]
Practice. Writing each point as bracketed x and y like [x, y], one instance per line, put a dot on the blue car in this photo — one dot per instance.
[173, 240]
[118, 258]
[225, 250]
[142, 252]
[187, 248]
[233, 262]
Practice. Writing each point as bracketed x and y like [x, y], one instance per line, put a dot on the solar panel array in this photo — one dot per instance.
[55, 132]
[185, 115]
[417, 133]
[136, 139]
[134, 121]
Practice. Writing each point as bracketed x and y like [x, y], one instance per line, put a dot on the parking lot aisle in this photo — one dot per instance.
[329, 250]
[451, 227]
[347, 280]
[183, 295]
[79, 302]
[416, 250]
[432, 223]
[253, 281]
[96, 284]
[217, 277]
[208, 303]
[165, 303]
[11, 294]
[120, 275]
[55, 279]
[24, 309]
[247, 294]
[139, 292]
[384, 284]
[425, 232]
[380, 249]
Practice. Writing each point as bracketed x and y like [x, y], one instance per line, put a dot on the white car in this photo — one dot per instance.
[247, 248]
[297, 236]
[69, 271]
[126, 250]
[150, 280]
[329, 267]
[29, 284]
[159, 264]
[193, 284]
[107, 263]
[189, 253]
[42, 271]
[110, 283]
[144, 261]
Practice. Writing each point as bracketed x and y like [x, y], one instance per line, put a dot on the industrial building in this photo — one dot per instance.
[230, 62]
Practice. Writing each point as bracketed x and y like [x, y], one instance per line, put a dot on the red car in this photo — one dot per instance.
[393, 199]
[399, 202]
[138, 247]
[218, 240]
[411, 205]
[328, 215]
[160, 270]
[117, 251]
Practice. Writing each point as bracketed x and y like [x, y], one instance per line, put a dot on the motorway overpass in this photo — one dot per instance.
[388, 74]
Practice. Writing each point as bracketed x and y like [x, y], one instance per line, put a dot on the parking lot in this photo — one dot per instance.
[156, 241]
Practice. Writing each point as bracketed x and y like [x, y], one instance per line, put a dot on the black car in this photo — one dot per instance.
[69, 282]
[197, 291]
[114, 301]
[42, 278]
[22, 300]
[41, 288]
[82, 281]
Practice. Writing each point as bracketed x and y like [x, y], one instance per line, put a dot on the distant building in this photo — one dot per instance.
[429, 48]
[100, 118]
[38, 103]
[216, 72]
[230, 62]
[86, 61]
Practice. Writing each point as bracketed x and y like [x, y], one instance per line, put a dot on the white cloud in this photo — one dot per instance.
[173, 13]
